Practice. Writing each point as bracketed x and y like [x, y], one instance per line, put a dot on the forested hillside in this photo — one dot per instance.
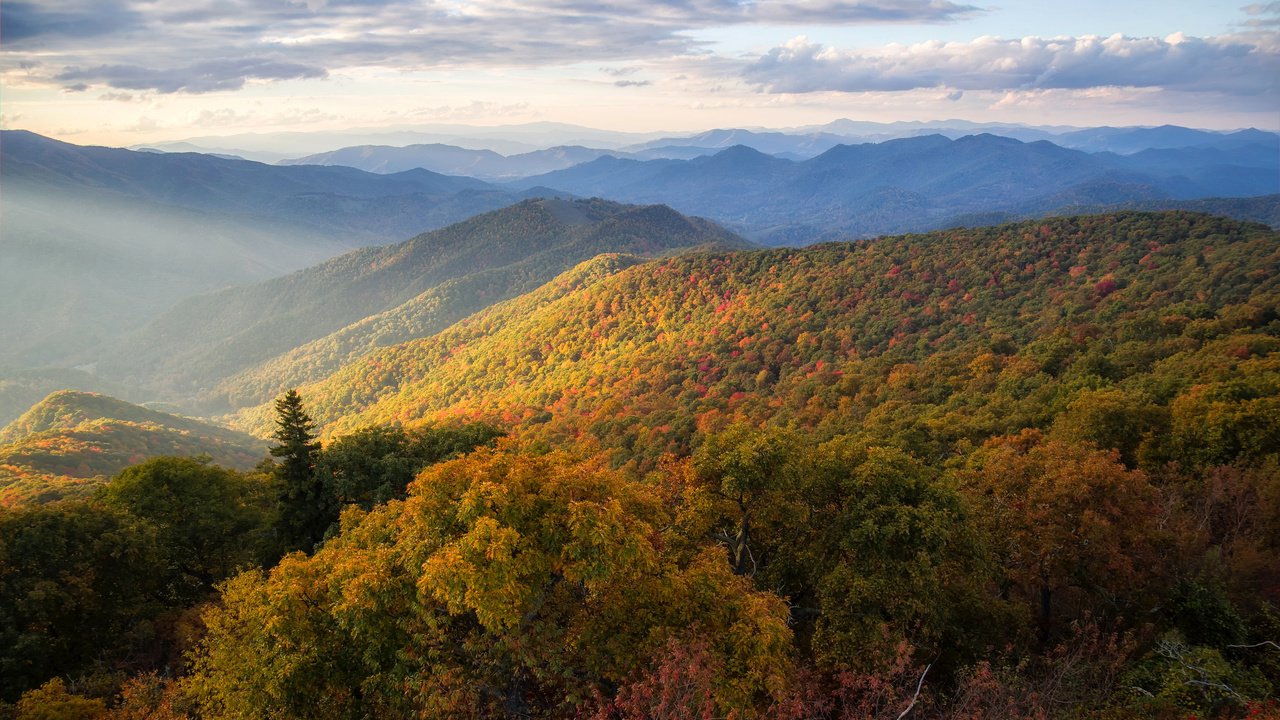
[68, 445]
[392, 293]
[955, 335]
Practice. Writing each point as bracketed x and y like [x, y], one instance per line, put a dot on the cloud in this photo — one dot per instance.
[198, 46]
[833, 11]
[21, 21]
[1262, 15]
[632, 83]
[119, 97]
[1229, 65]
[471, 111]
[198, 78]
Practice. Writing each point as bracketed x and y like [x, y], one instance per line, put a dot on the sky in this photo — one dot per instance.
[125, 72]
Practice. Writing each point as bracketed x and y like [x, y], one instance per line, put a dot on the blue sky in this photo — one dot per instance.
[1017, 19]
[133, 71]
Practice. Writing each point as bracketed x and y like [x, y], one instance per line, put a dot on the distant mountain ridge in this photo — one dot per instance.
[795, 142]
[312, 196]
[911, 184]
[486, 164]
[1129, 140]
[451, 160]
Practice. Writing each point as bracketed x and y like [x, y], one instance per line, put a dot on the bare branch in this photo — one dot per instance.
[919, 685]
[1272, 643]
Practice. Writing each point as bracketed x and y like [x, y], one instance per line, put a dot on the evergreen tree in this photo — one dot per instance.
[304, 502]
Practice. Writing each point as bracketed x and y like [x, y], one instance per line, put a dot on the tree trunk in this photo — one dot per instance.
[741, 555]
[1046, 610]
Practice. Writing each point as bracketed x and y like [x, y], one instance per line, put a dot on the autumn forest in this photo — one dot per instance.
[1020, 471]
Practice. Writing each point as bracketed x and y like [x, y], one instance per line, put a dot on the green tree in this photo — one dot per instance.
[745, 469]
[210, 521]
[52, 701]
[374, 465]
[305, 504]
[77, 585]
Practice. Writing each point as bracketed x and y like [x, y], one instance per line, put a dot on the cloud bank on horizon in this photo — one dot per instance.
[52, 51]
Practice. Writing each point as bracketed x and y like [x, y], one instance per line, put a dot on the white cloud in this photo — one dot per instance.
[1229, 65]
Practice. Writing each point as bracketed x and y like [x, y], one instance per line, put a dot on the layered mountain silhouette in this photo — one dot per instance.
[913, 184]
[452, 160]
[97, 240]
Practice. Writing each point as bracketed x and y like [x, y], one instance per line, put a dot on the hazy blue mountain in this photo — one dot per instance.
[914, 128]
[804, 142]
[505, 139]
[334, 200]
[911, 184]
[797, 145]
[453, 160]
[427, 282]
[95, 241]
[671, 152]
[1128, 140]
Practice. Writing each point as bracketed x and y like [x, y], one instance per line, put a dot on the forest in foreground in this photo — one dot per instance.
[1030, 471]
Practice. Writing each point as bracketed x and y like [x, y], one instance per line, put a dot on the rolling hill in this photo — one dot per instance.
[21, 388]
[1008, 324]
[392, 293]
[72, 442]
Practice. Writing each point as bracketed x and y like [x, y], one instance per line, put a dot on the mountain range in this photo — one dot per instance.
[797, 142]
[452, 160]
[487, 164]
[912, 184]
[916, 419]
[111, 254]
[97, 240]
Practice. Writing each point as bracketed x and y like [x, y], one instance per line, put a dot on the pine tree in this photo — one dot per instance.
[304, 503]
